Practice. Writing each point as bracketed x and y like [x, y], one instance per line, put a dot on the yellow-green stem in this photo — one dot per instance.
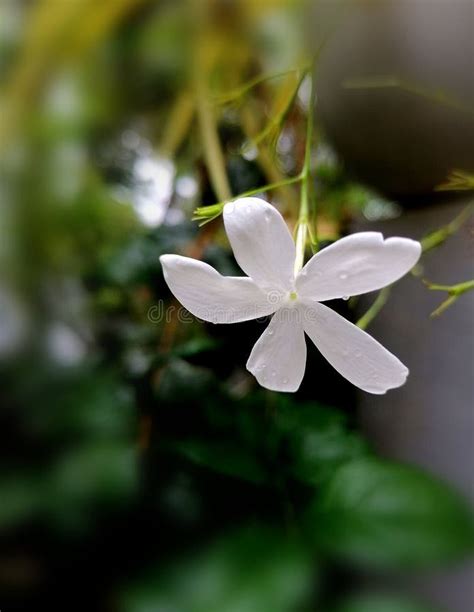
[376, 307]
[213, 154]
[303, 217]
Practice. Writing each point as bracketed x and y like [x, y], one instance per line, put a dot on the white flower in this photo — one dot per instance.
[265, 250]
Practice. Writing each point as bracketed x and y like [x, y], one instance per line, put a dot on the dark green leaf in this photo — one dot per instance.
[376, 512]
[224, 457]
[319, 440]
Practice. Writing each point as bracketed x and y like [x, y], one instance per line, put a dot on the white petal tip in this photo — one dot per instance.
[413, 245]
[273, 384]
[166, 259]
[381, 389]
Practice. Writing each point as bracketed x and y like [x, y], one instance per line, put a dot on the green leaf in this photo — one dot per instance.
[79, 404]
[89, 478]
[380, 513]
[254, 569]
[381, 603]
[318, 440]
[224, 457]
[21, 497]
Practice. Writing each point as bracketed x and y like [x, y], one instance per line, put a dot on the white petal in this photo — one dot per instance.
[352, 352]
[262, 243]
[212, 297]
[278, 359]
[357, 264]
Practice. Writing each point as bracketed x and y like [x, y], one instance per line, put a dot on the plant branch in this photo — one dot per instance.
[453, 291]
[376, 307]
[457, 180]
[209, 213]
[241, 91]
[393, 82]
[439, 236]
[303, 217]
[213, 155]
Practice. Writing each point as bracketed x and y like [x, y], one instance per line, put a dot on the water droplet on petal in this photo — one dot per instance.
[274, 373]
[358, 354]
[270, 332]
[267, 217]
[285, 381]
[343, 275]
[346, 297]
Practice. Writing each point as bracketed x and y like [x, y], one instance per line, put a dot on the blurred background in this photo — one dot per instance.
[142, 469]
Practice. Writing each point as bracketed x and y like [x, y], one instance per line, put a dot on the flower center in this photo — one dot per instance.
[293, 295]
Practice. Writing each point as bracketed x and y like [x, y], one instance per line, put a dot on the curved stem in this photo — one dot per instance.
[213, 154]
[376, 307]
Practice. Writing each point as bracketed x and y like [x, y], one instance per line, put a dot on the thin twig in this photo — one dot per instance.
[453, 291]
[393, 82]
[209, 213]
[213, 154]
[439, 236]
[303, 217]
[376, 307]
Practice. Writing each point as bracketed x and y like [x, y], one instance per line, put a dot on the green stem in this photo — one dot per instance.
[393, 82]
[458, 289]
[274, 126]
[269, 187]
[303, 217]
[249, 85]
[376, 307]
[440, 235]
[453, 291]
[213, 154]
[209, 213]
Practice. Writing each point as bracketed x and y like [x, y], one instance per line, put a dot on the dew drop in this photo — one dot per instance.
[249, 210]
[285, 380]
[358, 354]
[267, 217]
[343, 275]
[346, 297]
[274, 373]
[270, 332]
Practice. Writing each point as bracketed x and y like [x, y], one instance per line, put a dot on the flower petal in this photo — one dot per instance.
[212, 297]
[357, 264]
[262, 243]
[352, 352]
[278, 359]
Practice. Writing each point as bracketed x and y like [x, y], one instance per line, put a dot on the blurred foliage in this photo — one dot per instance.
[142, 470]
[381, 603]
[254, 569]
[390, 515]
